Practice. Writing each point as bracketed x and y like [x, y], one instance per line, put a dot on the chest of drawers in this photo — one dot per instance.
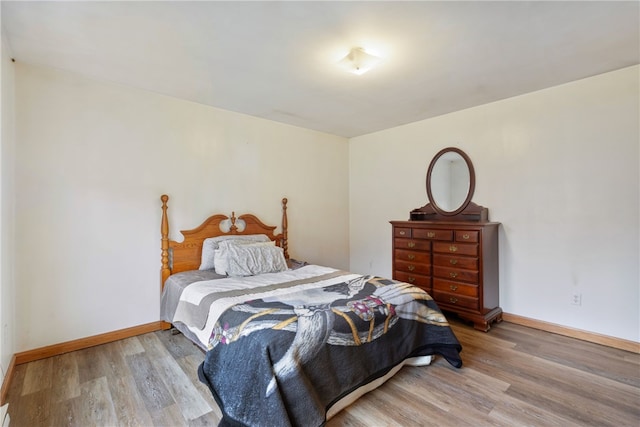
[455, 262]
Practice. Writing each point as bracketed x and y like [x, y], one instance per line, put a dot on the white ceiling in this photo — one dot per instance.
[277, 60]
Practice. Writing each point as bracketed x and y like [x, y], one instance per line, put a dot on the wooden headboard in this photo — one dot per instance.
[186, 255]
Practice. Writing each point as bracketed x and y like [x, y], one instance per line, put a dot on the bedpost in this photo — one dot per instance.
[285, 245]
[165, 271]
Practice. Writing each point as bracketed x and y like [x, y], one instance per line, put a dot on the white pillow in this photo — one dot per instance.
[249, 260]
[207, 261]
[220, 259]
[220, 262]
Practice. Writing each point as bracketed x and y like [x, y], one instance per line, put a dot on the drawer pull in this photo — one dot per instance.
[453, 248]
[402, 233]
[453, 274]
[411, 279]
[465, 236]
[431, 234]
[453, 261]
[411, 257]
[453, 287]
[411, 244]
[411, 267]
[453, 300]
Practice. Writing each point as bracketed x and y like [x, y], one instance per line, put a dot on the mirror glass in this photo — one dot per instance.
[450, 181]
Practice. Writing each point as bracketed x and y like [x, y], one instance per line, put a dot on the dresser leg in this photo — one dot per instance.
[482, 326]
[483, 322]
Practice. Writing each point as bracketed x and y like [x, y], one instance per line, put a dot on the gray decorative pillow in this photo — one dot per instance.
[221, 260]
[207, 262]
[249, 260]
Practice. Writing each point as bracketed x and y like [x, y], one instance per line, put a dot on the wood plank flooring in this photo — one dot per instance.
[512, 376]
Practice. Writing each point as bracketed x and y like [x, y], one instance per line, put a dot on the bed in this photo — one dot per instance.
[289, 343]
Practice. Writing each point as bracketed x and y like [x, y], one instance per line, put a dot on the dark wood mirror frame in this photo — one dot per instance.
[467, 211]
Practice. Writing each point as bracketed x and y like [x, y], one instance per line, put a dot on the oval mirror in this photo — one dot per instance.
[450, 181]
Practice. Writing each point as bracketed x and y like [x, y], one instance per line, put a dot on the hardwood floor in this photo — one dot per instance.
[512, 376]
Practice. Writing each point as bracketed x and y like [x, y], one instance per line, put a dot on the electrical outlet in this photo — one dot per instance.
[576, 299]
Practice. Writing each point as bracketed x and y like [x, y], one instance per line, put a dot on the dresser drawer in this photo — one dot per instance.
[469, 263]
[455, 300]
[422, 245]
[402, 232]
[415, 279]
[456, 288]
[467, 236]
[413, 267]
[414, 256]
[456, 248]
[425, 233]
[456, 274]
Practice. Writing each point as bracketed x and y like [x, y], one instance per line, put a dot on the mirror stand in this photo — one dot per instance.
[451, 181]
[472, 212]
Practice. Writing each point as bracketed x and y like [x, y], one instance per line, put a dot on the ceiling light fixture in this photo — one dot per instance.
[358, 61]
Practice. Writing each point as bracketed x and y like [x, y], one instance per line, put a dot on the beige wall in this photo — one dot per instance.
[7, 194]
[93, 159]
[558, 168]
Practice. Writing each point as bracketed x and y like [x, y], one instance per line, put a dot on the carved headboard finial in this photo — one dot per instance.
[233, 227]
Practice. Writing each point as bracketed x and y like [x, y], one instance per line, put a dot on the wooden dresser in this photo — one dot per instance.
[456, 262]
